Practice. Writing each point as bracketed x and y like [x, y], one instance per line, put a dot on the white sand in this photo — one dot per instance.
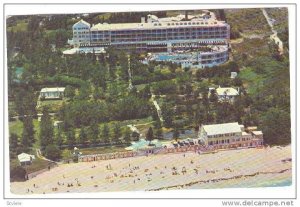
[125, 176]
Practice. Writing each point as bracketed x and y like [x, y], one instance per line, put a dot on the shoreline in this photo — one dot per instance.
[185, 186]
[165, 171]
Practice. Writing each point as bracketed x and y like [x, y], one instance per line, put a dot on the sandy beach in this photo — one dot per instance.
[232, 168]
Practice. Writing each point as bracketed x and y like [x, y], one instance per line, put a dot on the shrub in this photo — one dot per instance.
[52, 152]
[17, 174]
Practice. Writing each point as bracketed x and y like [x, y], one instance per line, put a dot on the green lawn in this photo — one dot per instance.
[252, 80]
[37, 164]
[53, 105]
[67, 154]
[127, 122]
[250, 19]
[21, 26]
[17, 127]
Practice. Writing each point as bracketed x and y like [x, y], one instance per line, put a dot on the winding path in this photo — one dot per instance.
[274, 36]
[156, 107]
[129, 74]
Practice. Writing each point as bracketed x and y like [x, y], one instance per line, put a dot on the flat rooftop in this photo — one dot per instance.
[170, 22]
[58, 89]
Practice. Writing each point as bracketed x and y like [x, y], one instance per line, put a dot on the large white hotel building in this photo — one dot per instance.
[153, 34]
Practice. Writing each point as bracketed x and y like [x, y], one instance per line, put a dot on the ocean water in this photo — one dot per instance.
[279, 183]
[259, 181]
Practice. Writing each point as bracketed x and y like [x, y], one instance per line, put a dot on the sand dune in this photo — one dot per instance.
[162, 172]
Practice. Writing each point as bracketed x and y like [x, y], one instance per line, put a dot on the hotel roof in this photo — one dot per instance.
[170, 22]
[257, 132]
[226, 128]
[82, 22]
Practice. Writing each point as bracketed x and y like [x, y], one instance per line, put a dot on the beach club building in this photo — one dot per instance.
[230, 135]
[52, 93]
[25, 159]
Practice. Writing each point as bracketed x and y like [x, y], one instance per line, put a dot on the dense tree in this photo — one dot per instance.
[176, 133]
[25, 143]
[84, 92]
[150, 135]
[69, 92]
[123, 60]
[13, 145]
[59, 138]
[29, 128]
[234, 33]
[116, 133]
[145, 93]
[167, 114]
[46, 129]
[164, 87]
[94, 132]
[131, 107]
[135, 136]
[83, 137]
[213, 97]
[25, 102]
[52, 152]
[17, 173]
[158, 132]
[127, 135]
[98, 93]
[98, 78]
[105, 134]
[276, 127]
[71, 139]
